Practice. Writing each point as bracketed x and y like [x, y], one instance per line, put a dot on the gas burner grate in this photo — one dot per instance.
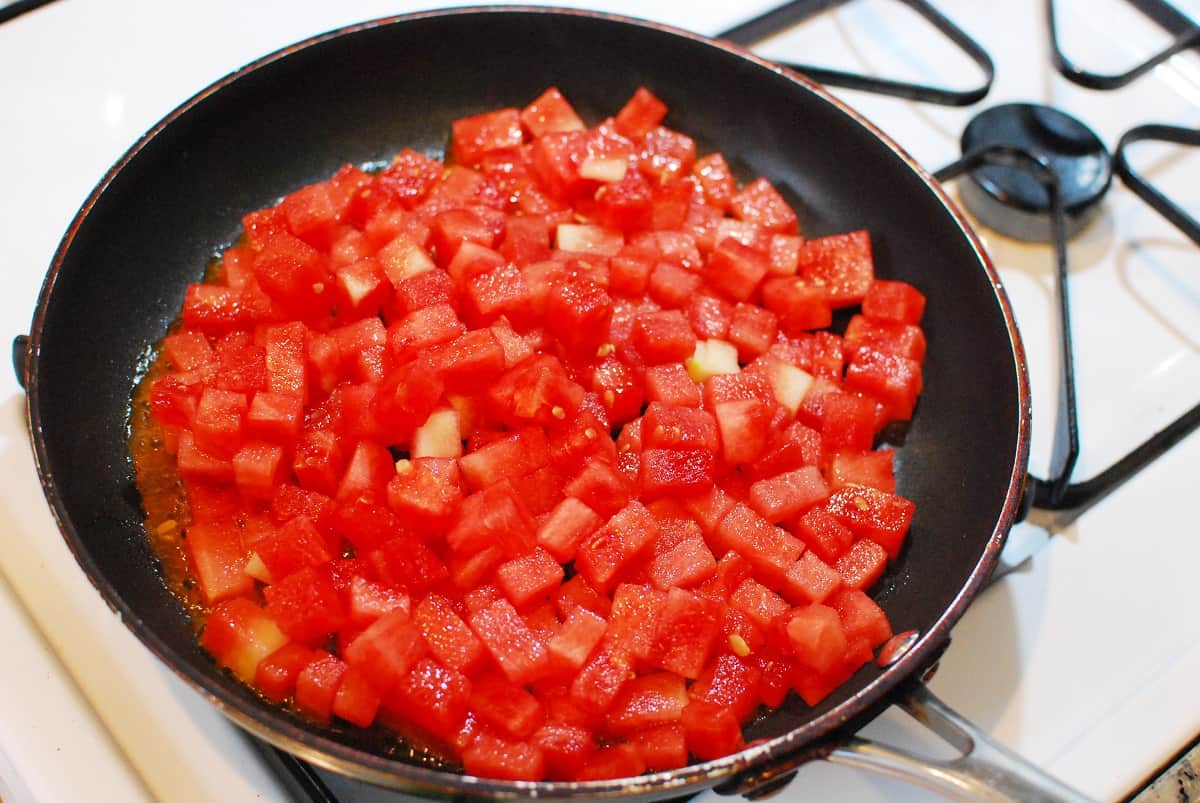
[19, 7]
[1183, 221]
[795, 12]
[1076, 497]
[1186, 35]
[1037, 166]
[1057, 492]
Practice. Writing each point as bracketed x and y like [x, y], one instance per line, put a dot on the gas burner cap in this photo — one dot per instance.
[1010, 199]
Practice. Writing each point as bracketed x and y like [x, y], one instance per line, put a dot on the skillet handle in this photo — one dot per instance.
[20, 353]
[985, 770]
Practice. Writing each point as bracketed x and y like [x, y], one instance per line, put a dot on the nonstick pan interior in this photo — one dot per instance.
[361, 95]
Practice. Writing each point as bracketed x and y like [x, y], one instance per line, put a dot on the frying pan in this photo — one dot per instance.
[362, 93]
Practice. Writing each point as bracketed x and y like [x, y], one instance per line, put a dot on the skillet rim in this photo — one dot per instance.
[264, 722]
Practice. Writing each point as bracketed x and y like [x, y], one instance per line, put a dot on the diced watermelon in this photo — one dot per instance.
[576, 638]
[892, 301]
[550, 111]
[425, 493]
[567, 749]
[510, 710]
[874, 514]
[410, 415]
[469, 362]
[481, 133]
[578, 313]
[491, 757]
[274, 418]
[622, 760]
[432, 697]
[312, 214]
[675, 472]
[367, 473]
[887, 337]
[759, 202]
[783, 496]
[800, 307]
[510, 457]
[317, 685]
[863, 468]
[841, 263]
[896, 381]
[810, 579]
[661, 748]
[285, 347]
[449, 638]
[305, 605]
[529, 577]
[758, 602]
[494, 516]
[685, 565]
[408, 564]
[716, 179]
[218, 560]
[673, 286]
[712, 731]
[356, 700]
[752, 329]
[387, 649]
[862, 619]
[745, 425]
[367, 600]
[295, 545]
[520, 655]
[663, 337]
[770, 550]
[827, 537]
[577, 593]
[862, 565]
[276, 674]
[683, 637]
[239, 635]
[365, 525]
[641, 113]
[568, 524]
[596, 686]
[817, 638]
[736, 269]
[217, 423]
[671, 385]
[421, 328]
[633, 620]
[731, 683]
[187, 350]
[536, 390]
[617, 542]
[647, 701]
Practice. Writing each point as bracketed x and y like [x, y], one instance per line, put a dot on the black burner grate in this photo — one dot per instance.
[1185, 35]
[1057, 492]
[1076, 497]
[795, 12]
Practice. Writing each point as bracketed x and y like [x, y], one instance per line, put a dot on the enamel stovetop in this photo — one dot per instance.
[1085, 660]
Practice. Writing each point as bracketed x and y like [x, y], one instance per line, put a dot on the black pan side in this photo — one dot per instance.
[360, 95]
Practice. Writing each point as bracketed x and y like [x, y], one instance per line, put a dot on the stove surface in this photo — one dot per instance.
[1083, 659]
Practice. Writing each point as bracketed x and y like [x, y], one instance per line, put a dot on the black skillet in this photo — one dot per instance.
[364, 92]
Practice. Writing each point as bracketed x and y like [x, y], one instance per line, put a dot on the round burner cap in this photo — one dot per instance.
[1010, 199]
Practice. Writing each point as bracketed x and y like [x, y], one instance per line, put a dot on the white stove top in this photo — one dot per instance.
[1085, 660]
